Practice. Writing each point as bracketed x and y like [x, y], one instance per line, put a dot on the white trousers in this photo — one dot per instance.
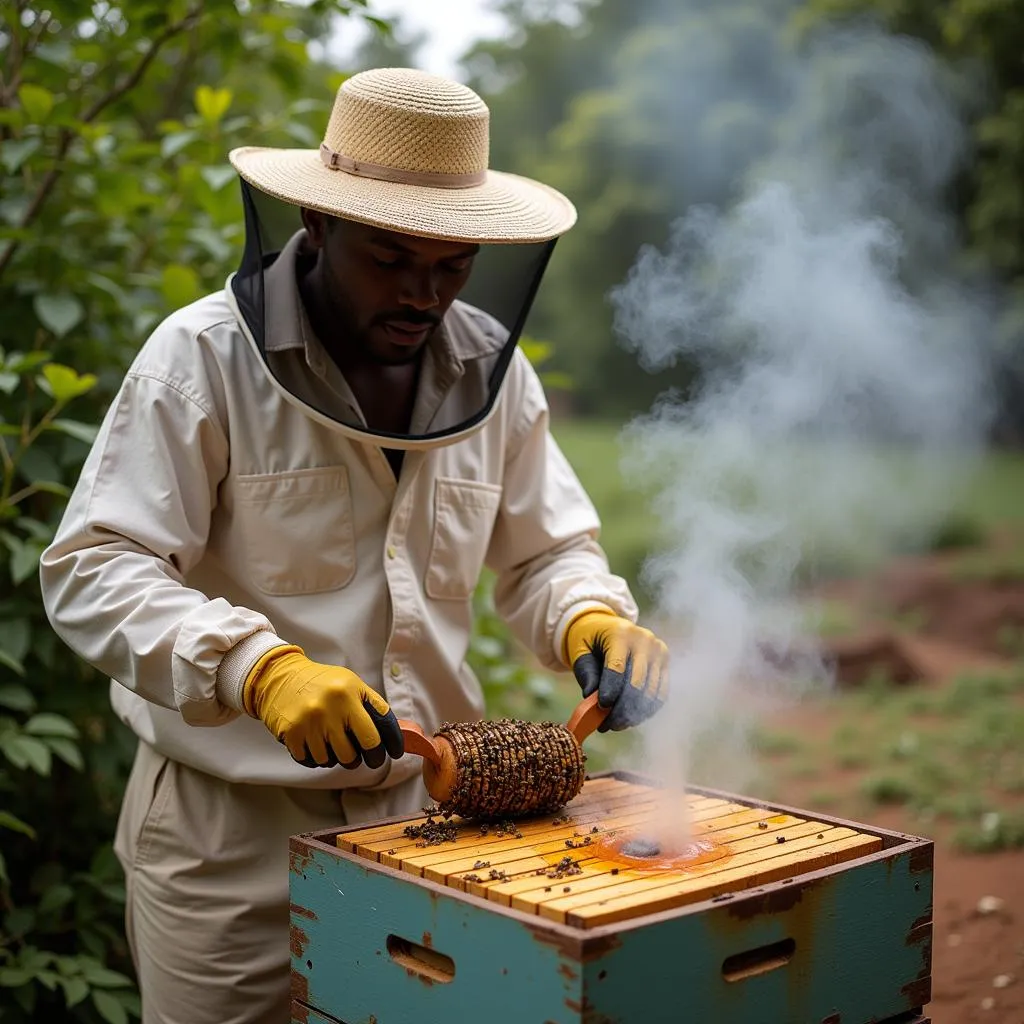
[206, 867]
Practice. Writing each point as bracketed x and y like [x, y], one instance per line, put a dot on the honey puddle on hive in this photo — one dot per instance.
[672, 855]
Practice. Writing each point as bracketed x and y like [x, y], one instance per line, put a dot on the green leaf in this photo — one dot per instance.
[536, 352]
[13, 977]
[218, 176]
[16, 697]
[67, 751]
[58, 313]
[24, 562]
[109, 1007]
[63, 383]
[81, 431]
[46, 723]
[212, 241]
[175, 142]
[27, 752]
[15, 636]
[18, 362]
[13, 664]
[16, 151]
[212, 104]
[102, 977]
[75, 990]
[58, 52]
[8, 382]
[36, 101]
[302, 134]
[54, 898]
[180, 285]
[34, 528]
[13, 824]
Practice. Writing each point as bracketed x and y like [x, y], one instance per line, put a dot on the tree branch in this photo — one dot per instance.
[102, 102]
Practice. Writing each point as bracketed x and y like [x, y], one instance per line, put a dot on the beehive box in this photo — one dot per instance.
[758, 914]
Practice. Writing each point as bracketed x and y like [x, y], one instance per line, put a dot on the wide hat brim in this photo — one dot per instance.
[504, 208]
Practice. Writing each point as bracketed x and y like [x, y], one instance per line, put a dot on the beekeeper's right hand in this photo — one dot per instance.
[325, 715]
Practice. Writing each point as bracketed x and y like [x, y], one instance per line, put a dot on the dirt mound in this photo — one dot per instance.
[927, 618]
[982, 614]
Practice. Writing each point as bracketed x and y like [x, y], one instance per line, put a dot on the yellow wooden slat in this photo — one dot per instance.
[592, 789]
[440, 861]
[415, 859]
[511, 860]
[640, 896]
[470, 841]
[470, 838]
[733, 822]
[824, 854]
[749, 862]
[528, 892]
[744, 850]
[629, 813]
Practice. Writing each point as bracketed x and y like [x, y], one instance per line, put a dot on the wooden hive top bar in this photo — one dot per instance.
[569, 867]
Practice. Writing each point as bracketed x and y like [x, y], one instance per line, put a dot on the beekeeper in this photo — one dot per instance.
[274, 542]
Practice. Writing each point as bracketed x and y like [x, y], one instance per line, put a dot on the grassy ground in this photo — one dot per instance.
[950, 757]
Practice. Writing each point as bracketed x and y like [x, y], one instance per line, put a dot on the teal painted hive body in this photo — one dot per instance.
[788, 918]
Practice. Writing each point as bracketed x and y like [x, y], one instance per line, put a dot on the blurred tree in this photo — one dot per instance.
[395, 47]
[639, 111]
[986, 39]
[636, 112]
[117, 205]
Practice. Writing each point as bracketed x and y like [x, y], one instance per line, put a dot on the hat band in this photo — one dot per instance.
[339, 162]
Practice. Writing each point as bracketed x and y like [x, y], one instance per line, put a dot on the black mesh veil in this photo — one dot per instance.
[480, 331]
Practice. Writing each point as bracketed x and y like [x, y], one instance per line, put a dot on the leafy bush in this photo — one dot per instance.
[116, 207]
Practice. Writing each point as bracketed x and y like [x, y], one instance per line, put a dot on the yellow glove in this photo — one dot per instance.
[625, 663]
[323, 714]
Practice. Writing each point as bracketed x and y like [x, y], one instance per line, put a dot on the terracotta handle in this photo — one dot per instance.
[440, 771]
[587, 716]
[418, 742]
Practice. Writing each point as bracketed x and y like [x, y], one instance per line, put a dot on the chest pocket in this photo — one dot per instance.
[464, 514]
[298, 530]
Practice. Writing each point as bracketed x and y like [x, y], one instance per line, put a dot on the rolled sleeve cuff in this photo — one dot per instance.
[216, 645]
[236, 665]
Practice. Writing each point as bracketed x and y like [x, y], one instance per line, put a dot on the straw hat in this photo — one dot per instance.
[408, 151]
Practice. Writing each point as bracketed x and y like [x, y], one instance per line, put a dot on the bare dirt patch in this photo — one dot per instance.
[913, 633]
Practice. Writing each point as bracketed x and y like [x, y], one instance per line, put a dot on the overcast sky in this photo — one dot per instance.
[451, 25]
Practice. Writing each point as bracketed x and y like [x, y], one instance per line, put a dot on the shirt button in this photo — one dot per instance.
[391, 552]
[395, 670]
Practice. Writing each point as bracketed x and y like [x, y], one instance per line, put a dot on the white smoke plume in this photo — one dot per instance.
[843, 386]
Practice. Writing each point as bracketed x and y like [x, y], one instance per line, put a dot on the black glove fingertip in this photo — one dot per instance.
[610, 690]
[374, 758]
[390, 732]
[587, 669]
[359, 753]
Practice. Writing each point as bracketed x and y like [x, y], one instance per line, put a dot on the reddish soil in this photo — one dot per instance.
[957, 622]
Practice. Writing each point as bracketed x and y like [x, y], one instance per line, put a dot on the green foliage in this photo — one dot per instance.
[117, 205]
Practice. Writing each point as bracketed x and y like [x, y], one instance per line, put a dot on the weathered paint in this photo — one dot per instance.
[298, 940]
[857, 939]
[852, 959]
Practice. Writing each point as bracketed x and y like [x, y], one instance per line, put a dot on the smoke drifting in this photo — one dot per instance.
[842, 385]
